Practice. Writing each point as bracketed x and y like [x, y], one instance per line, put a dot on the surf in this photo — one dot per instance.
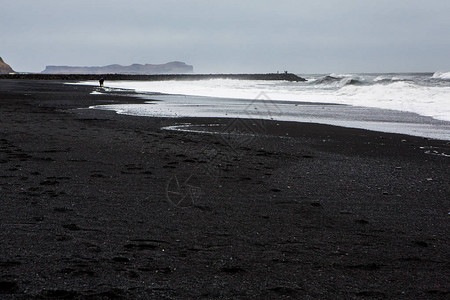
[424, 94]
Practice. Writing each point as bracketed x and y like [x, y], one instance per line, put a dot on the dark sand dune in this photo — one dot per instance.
[97, 204]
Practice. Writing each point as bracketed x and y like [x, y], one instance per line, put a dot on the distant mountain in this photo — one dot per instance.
[175, 67]
[5, 68]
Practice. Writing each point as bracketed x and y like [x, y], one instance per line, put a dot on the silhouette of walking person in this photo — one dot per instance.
[101, 82]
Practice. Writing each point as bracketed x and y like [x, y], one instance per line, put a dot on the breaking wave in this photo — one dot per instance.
[441, 75]
[334, 80]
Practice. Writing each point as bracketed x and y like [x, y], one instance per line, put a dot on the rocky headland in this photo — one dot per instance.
[5, 68]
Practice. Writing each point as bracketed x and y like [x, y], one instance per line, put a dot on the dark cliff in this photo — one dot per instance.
[5, 68]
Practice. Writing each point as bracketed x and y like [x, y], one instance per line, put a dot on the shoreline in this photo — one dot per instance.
[334, 114]
[97, 204]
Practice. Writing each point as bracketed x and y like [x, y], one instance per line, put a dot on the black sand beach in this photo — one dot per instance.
[95, 204]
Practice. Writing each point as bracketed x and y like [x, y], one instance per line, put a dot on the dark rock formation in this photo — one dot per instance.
[135, 69]
[5, 68]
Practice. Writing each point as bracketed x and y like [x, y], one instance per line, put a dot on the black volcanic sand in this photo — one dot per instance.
[98, 204]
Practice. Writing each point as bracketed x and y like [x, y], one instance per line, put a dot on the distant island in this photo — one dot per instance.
[175, 67]
[5, 68]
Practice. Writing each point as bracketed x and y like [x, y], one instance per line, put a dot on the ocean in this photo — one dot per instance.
[408, 103]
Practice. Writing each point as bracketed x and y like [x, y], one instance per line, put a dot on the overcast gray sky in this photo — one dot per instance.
[229, 36]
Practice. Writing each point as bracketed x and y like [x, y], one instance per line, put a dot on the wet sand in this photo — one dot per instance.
[105, 205]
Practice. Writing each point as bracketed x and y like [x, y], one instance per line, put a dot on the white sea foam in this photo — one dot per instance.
[403, 96]
[382, 78]
[336, 75]
[425, 100]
